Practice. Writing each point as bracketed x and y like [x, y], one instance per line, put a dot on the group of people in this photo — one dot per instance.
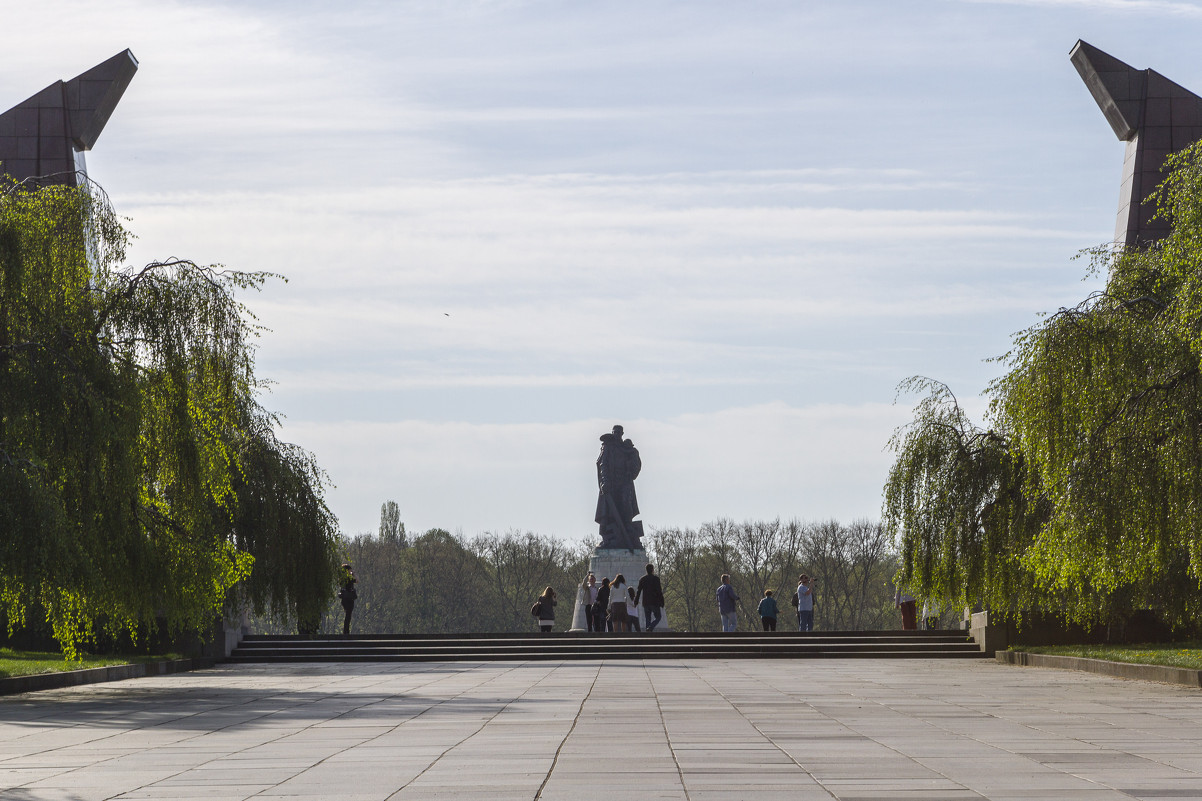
[768, 610]
[613, 605]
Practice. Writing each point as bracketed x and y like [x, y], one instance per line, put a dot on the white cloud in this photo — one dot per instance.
[591, 234]
[534, 281]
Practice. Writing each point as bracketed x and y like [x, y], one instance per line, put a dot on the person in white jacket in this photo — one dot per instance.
[805, 604]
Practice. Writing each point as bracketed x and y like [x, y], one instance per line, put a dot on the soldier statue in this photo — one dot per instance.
[618, 466]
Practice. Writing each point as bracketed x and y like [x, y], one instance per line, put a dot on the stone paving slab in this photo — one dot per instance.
[661, 729]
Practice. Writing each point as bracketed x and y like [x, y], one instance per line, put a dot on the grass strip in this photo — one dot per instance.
[1173, 654]
[31, 663]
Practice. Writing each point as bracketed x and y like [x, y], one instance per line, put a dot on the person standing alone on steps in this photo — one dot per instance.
[347, 595]
[805, 604]
[726, 604]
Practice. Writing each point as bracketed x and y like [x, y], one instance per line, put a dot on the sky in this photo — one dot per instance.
[732, 228]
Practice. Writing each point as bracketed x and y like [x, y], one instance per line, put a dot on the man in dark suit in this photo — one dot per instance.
[651, 593]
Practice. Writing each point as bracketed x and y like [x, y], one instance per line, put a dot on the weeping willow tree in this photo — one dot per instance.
[131, 445]
[1084, 497]
[956, 500]
[282, 521]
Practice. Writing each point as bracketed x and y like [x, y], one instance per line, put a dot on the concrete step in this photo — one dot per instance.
[948, 635]
[578, 645]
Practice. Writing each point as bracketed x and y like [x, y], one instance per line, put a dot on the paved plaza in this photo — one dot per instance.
[607, 730]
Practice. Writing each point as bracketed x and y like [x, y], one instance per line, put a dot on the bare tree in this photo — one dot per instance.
[689, 572]
[852, 566]
[758, 555]
[520, 567]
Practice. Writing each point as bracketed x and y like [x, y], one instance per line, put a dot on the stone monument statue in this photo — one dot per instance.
[621, 549]
[618, 465]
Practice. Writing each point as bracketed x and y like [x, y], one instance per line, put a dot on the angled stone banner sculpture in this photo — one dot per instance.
[1154, 116]
[46, 136]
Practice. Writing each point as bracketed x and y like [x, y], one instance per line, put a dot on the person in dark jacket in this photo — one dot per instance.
[546, 610]
[602, 606]
[768, 611]
[651, 593]
[347, 594]
[726, 597]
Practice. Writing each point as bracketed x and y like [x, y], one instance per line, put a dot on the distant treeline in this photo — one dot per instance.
[441, 583]
[852, 567]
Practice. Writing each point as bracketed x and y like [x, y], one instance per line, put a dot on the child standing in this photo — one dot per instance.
[632, 610]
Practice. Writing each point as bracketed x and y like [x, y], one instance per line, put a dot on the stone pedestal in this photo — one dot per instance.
[607, 563]
[991, 638]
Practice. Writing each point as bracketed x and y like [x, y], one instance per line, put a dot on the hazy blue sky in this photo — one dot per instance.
[731, 227]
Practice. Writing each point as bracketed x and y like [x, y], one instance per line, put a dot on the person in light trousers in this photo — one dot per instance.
[805, 604]
[726, 604]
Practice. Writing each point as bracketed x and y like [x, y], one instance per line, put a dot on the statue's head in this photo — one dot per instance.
[618, 431]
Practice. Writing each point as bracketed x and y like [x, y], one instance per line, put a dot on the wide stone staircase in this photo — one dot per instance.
[949, 644]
